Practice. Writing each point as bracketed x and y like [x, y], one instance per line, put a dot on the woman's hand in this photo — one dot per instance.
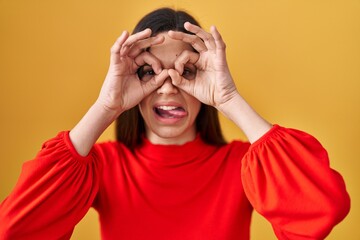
[122, 88]
[213, 84]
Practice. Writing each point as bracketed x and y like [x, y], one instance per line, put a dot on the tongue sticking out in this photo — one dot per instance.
[170, 112]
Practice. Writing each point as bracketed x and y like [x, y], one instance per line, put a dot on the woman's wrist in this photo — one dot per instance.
[105, 112]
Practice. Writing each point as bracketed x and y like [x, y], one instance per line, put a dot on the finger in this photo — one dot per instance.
[178, 81]
[205, 36]
[161, 77]
[155, 82]
[133, 39]
[150, 59]
[140, 46]
[175, 77]
[220, 44]
[185, 57]
[194, 40]
[115, 49]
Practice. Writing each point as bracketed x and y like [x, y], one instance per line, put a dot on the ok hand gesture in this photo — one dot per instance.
[213, 84]
[122, 89]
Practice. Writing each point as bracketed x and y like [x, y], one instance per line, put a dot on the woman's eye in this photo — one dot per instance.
[145, 73]
[189, 74]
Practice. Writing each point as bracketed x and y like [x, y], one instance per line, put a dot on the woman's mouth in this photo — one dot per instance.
[169, 112]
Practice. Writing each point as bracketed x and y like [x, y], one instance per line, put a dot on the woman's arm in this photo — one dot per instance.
[287, 178]
[245, 117]
[53, 193]
[56, 189]
[122, 89]
[286, 174]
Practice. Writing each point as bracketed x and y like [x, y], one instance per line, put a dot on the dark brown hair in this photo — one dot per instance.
[130, 125]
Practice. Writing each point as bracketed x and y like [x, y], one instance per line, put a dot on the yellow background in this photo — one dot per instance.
[297, 62]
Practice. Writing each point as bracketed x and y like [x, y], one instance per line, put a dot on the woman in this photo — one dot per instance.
[171, 175]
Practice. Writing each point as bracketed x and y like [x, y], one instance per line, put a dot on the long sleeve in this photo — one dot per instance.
[53, 193]
[287, 178]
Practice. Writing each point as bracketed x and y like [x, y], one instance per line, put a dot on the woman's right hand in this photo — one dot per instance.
[122, 88]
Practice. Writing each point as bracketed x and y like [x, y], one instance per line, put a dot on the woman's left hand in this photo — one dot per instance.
[213, 84]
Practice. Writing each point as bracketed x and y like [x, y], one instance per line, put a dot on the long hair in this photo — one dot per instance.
[130, 125]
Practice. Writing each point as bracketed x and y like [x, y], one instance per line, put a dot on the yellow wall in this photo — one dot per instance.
[297, 62]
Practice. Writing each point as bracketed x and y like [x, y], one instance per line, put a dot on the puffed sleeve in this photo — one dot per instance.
[287, 178]
[53, 193]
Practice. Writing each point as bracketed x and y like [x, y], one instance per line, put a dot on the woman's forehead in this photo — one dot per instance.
[170, 46]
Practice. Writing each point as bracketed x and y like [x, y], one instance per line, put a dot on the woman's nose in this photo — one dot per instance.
[167, 87]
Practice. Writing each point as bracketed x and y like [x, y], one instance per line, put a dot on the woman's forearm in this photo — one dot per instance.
[245, 117]
[84, 135]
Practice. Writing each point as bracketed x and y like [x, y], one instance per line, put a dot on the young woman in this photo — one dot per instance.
[171, 175]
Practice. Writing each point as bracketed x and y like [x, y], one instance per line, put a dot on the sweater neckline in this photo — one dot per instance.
[193, 150]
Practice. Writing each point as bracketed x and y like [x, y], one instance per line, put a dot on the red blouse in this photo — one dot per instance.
[192, 191]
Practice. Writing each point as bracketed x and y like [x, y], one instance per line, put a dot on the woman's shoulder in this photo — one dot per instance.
[110, 146]
[237, 143]
[111, 150]
[234, 147]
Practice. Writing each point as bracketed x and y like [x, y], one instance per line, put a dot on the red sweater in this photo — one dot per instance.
[194, 191]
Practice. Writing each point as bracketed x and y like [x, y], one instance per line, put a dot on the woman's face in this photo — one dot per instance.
[169, 113]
